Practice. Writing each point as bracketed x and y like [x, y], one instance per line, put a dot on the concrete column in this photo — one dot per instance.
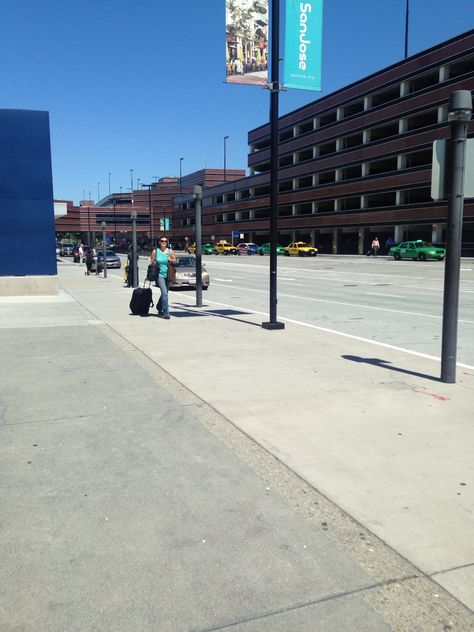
[404, 88]
[312, 236]
[339, 144]
[295, 184]
[442, 113]
[316, 123]
[252, 214]
[340, 114]
[363, 201]
[402, 125]
[315, 179]
[365, 169]
[316, 151]
[366, 136]
[360, 241]
[294, 210]
[335, 237]
[398, 232]
[437, 233]
[339, 175]
[237, 216]
[443, 73]
[314, 208]
[399, 197]
[338, 204]
[252, 192]
[295, 158]
[401, 161]
[368, 102]
[293, 235]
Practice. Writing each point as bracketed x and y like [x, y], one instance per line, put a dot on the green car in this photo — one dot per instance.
[265, 249]
[208, 249]
[417, 250]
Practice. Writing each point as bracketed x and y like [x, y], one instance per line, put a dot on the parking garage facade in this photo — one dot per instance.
[353, 164]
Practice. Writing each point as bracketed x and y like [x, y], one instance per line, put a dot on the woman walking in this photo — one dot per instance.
[163, 256]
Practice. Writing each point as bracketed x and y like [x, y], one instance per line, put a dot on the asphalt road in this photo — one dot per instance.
[398, 303]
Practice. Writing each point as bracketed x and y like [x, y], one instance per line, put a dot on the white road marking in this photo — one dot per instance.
[320, 300]
[224, 280]
[339, 333]
[388, 295]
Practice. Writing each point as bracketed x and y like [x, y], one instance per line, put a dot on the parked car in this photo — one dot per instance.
[265, 249]
[58, 249]
[418, 250]
[67, 250]
[206, 249]
[111, 258]
[185, 267]
[224, 248]
[247, 248]
[300, 248]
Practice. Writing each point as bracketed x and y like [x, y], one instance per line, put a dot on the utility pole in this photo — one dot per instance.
[459, 115]
[274, 97]
[197, 195]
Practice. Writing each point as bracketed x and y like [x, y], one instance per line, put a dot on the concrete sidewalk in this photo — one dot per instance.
[256, 495]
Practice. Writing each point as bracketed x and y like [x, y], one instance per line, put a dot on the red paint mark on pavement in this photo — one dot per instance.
[467, 373]
[442, 398]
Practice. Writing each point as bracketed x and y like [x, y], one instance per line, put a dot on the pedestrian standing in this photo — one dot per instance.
[80, 252]
[388, 244]
[89, 260]
[375, 246]
[164, 257]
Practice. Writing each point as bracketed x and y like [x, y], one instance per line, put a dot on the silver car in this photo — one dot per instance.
[112, 259]
[186, 273]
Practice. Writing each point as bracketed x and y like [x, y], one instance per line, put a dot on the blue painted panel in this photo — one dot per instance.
[27, 232]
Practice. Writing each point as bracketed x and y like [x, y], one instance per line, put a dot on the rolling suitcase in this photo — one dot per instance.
[142, 300]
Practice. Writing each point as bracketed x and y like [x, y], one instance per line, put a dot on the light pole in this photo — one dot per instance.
[104, 251]
[131, 183]
[225, 158]
[180, 173]
[459, 115]
[138, 183]
[151, 217]
[407, 14]
[274, 97]
[89, 218]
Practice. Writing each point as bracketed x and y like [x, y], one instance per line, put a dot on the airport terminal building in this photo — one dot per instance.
[353, 164]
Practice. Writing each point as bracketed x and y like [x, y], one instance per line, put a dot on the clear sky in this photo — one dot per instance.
[137, 85]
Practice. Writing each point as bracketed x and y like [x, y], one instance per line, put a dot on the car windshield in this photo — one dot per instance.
[108, 253]
[182, 262]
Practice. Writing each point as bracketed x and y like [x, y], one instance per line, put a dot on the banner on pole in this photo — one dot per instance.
[303, 44]
[247, 42]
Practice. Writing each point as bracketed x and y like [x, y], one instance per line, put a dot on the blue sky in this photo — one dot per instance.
[137, 85]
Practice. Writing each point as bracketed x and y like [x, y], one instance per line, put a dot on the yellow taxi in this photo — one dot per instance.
[301, 248]
[224, 248]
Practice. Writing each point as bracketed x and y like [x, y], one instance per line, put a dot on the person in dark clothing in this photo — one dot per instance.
[89, 260]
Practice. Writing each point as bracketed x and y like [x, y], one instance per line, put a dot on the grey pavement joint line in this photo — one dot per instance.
[454, 568]
[269, 468]
[306, 604]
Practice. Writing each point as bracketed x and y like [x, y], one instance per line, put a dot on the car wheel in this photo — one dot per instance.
[225, 252]
[261, 254]
[287, 254]
[422, 256]
[397, 256]
[300, 254]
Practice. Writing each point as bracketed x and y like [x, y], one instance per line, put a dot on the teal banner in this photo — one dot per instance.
[303, 44]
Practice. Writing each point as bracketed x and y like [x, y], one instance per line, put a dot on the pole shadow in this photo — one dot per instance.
[385, 364]
[229, 314]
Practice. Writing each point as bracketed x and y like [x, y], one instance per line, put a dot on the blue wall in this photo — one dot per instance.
[27, 231]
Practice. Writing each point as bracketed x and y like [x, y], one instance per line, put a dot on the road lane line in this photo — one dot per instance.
[337, 333]
[388, 295]
[320, 300]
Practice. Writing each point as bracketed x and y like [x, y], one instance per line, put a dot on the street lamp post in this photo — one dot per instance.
[460, 111]
[89, 218]
[225, 158]
[274, 97]
[131, 183]
[104, 251]
[150, 212]
[180, 173]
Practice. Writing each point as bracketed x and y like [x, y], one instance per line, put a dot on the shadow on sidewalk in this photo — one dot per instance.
[229, 314]
[384, 364]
